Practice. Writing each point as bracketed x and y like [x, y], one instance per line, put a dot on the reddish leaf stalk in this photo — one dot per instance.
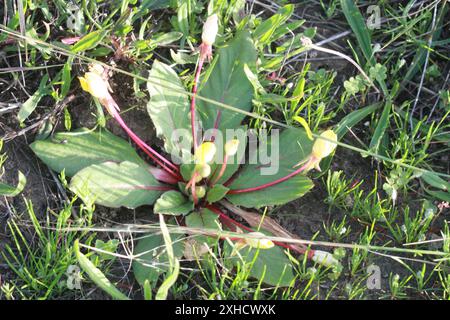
[159, 159]
[269, 184]
[194, 93]
[229, 219]
[222, 171]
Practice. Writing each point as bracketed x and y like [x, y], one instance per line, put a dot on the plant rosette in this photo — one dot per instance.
[107, 171]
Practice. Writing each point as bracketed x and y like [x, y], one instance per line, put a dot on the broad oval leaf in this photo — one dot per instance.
[271, 266]
[293, 146]
[117, 184]
[278, 194]
[81, 148]
[229, 84]
[169, 109]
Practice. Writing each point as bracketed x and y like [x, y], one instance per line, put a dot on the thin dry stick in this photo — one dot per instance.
[59, 107]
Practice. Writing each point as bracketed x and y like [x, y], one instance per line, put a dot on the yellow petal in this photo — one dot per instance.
[98, 87]
[205, 152]
[305, 126]
[323, 148]
[84, 84]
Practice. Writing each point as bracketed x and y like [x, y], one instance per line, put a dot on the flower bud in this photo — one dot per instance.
[205, 152]
[325, 258]
[200, 191]
[210, 29]
[323, 148]
[203, 170]
[259, 243]
[231, 147]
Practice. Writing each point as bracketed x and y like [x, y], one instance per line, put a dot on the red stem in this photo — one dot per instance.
[159, 159]
[269, 184]
[221, 172]
[194, 93]
[227, 218]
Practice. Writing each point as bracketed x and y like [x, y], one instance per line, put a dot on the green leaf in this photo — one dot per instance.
[168, 109]
[358, 25]
[278, 194]
[151, 258]
[229, 84]
[216, 193]
[115, 185]
[97, 276]
[264, 33]
[10, 191]
[293, 147]
[381, 127]
[272, 266]
[174, 263]
[30, 105]
[442, 195]
[167, 38]
[435, 181]
[204, 219]
[89, 41]
[353, 119]
[81, 148]
[173, 203]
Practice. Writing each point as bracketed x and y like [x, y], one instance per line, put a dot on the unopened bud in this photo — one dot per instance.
[203, 170]
[231, 147]
[210, 29]
[259, 243]
[325, 258]
[200, 191]
[323, 148]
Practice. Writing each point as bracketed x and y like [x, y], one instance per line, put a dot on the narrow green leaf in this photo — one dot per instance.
[30, 105]
[97, 276]
[435, 181]
[353, 118]
[380, 130]
[89, 41]
[10, 191]
[358, 25]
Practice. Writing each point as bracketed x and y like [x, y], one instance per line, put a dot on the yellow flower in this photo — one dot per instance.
[210, 29]
[205, 153]
[93, 83]
[323, 148]
[231, 147]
